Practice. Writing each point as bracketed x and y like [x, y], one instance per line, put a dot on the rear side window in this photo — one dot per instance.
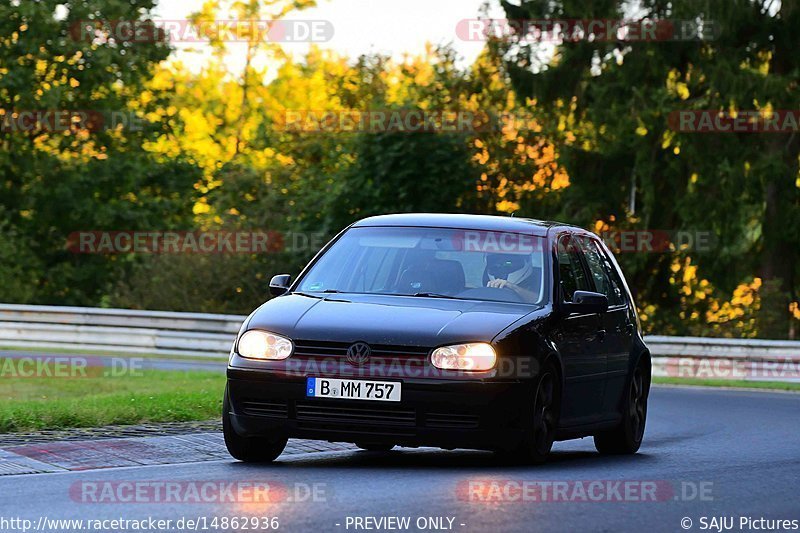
[603, 274]
[613, 275]
[570, 269]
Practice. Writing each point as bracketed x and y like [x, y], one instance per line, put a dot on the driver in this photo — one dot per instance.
[514, 272]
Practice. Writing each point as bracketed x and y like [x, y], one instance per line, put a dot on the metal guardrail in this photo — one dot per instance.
[118, 330]
[168, 333]
[713, 358]
[728, 348]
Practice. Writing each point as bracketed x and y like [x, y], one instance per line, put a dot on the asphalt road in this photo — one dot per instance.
[710, 453]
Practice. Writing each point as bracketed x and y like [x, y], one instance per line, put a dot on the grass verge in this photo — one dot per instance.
[728, 383]
[29, 404]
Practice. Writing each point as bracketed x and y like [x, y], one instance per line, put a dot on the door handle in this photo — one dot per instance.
[600, 334]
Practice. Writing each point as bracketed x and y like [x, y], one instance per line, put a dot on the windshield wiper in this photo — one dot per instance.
[434, 295]
[320, 295]
[307, 295]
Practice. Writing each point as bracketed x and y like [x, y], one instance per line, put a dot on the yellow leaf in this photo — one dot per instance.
[682, 89]
[201, 207]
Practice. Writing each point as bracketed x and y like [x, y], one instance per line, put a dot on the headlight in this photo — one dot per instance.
[256, 344]
[473, 356]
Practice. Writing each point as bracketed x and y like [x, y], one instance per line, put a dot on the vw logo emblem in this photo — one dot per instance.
[358, 353]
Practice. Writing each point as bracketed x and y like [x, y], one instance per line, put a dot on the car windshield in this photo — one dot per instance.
[431, 262]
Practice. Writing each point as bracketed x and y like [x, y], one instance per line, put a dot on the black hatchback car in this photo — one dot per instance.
[456, 331]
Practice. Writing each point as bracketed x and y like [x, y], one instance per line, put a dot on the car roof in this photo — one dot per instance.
[463, 221]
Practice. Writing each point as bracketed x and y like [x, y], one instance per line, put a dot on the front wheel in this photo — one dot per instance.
[627, 437]
[543, 421]
[249, 449]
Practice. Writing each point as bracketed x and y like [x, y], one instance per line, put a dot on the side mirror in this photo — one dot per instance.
[587, 302]
[280, 284]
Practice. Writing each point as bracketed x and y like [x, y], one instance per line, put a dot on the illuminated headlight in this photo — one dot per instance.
[256, 344]
[473, 356]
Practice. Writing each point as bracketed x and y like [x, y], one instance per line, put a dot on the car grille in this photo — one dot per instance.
[451, 421]
[271, 409]
[356, 415]
[312, 357]
[384, 420]
[324, 349]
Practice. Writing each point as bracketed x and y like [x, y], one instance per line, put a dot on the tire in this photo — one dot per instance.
[374, 446]
[626, 438]
[249, 449]
[543, 421]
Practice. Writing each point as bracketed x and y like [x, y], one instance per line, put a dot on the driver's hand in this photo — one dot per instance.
[502, 284]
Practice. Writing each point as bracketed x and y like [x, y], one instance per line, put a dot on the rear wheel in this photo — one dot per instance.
[543, 422]
[249, 449]
[627, 437]
[374, 446]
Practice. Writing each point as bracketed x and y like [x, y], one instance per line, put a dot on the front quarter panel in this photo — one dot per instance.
[521, 347]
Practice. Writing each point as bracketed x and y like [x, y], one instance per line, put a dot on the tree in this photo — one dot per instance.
[56, 180]
[616, 98]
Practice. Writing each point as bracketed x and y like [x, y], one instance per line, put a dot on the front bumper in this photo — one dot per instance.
[478, 414]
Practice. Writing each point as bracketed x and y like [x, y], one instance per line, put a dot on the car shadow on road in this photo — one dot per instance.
[437, 459]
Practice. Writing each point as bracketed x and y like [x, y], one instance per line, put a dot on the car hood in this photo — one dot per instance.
[392, 320]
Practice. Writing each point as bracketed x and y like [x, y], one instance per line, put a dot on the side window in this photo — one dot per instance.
[570, 268]
[613, 275]
[601, 268]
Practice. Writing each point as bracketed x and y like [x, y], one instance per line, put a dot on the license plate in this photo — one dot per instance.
[353, 389]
